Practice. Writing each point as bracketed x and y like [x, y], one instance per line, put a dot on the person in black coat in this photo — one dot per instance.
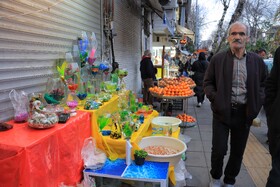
[199, 68]
[148, 76]
[272, 109]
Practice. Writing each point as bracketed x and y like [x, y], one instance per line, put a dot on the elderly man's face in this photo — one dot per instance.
[237, 37]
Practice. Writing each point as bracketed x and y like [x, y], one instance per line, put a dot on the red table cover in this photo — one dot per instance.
[43, 158]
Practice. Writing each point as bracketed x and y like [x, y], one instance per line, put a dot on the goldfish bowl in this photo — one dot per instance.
[42, 120]
[110, 86]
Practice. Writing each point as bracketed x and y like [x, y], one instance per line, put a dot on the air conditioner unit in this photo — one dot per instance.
[168, 4]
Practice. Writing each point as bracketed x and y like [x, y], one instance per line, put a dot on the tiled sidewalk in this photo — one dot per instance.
[256, 162]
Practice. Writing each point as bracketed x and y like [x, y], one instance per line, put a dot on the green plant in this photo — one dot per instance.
[141, 153]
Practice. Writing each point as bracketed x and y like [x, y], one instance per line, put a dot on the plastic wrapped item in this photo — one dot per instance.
[93, 157]
[19, 101]
[83, 44]
[181, 174]
[56, 91]
[72, 78]
[185, 138]
[88, 181]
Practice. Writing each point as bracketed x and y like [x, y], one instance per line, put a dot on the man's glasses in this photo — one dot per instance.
[235, 33]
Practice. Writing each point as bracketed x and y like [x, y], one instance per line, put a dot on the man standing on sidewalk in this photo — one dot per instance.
[147, 75]
[272, 109]
[234, 84]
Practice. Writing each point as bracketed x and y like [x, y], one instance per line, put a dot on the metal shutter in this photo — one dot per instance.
[34, 35]
[127, 43]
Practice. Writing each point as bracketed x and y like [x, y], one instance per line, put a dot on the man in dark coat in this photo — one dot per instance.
[234, 84]
[147, 75]
[272, 108]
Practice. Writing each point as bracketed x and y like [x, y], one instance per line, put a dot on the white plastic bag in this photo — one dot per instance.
[20, 101]
[93, 157]
[89, 181]
[181, 174]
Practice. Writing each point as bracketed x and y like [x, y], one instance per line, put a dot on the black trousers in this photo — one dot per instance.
[238, 132]
[274, 174]
[199, 94]
[147, 96]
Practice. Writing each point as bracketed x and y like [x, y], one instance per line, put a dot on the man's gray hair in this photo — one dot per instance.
[147, 52]
[239, 23]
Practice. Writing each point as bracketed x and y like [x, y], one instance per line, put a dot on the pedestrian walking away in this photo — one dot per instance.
[272, 109]
[234, 84]
[199, 68]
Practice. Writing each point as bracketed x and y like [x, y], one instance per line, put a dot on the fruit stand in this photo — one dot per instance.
[171, 89]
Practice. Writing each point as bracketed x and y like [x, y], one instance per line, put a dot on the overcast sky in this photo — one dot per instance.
[214, 10]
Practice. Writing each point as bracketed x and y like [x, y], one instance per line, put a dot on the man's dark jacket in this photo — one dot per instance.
[147, 68]
[218, 85]
[272, 103]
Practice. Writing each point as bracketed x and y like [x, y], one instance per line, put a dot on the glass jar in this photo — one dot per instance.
[40, 117]
[55, 91]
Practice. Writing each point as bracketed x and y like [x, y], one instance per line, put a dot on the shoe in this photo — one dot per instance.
[215, 183]
[198, 105]
[256, 122]
[228, 185]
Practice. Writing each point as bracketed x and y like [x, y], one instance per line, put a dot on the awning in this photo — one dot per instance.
[185, 31]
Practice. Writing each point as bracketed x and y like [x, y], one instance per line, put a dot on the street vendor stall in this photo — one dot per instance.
[117, 147]
[173, 89]
[49, 157]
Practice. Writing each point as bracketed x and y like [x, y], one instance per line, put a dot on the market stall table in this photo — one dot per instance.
[48, 157]
[118, 146]
[149, 172]
[107, 107]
